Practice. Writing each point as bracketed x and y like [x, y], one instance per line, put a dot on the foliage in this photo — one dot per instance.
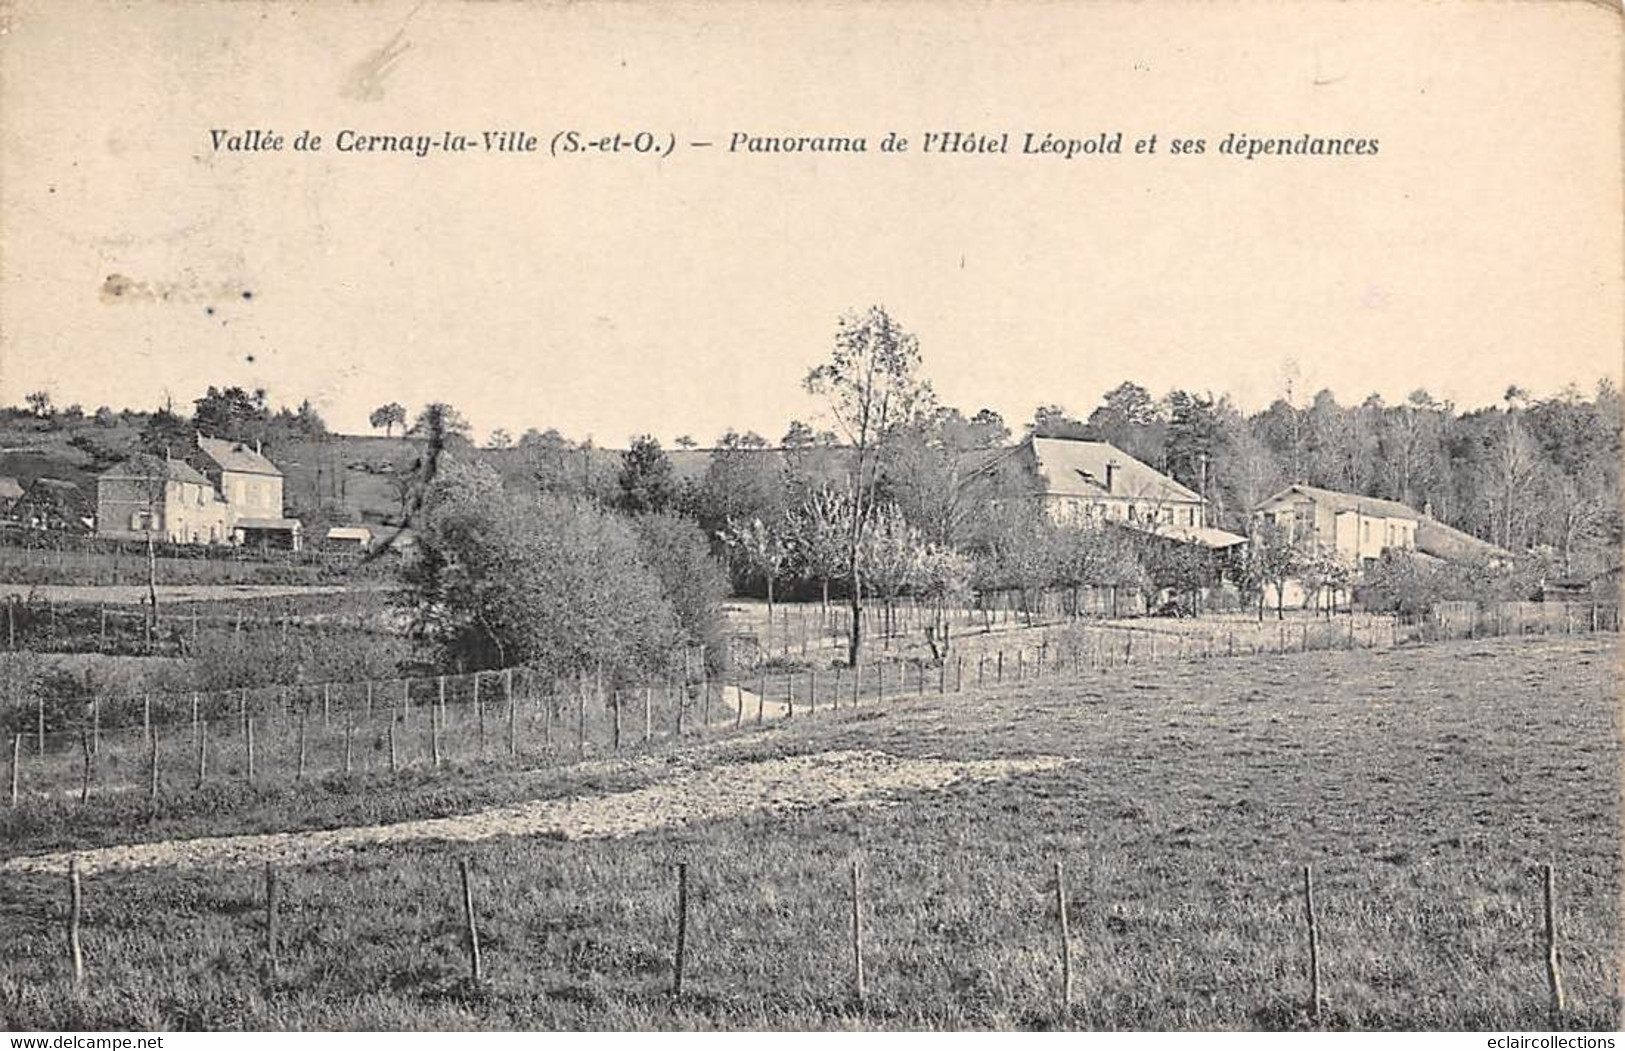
[677, 552]
[503, 578]
[872, 385]
[646, 477]
[388, 416]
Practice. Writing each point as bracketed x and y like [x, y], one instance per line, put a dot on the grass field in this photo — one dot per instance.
[1425, 785]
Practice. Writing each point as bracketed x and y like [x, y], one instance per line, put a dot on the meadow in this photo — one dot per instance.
[1425, 785]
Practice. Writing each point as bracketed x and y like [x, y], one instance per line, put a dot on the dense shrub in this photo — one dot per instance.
[503, 578]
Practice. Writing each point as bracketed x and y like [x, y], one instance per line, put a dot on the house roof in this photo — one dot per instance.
[1447, 542]
[1367, 505]
[277, 524]
[349, 533]
[1071, 467]
[1206, 536]
[1433, 537]
[235, 456]
[143, 466]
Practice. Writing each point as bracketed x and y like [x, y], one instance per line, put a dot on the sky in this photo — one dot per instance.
[611, 295]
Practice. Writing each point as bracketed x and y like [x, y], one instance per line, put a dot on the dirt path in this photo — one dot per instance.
[852, 778]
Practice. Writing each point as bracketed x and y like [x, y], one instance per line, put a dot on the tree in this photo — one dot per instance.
[1129, 418]
[232, 414]
[890, 558]
[388, 416]
[818, 535]
[1272, 559]
[439, 417]
[944, 578]
[693, 582]
[763, 549]
[646, 477]
[873, 388]
[39, 403]
[503, 578]
[499, 439]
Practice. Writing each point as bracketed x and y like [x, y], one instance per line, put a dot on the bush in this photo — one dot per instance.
[505, 578]
[692, 580]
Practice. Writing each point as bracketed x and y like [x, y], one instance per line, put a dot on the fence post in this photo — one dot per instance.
[880, 681]
[96, 725]
[1066, 939]
[194, 718]
[327, 707]
[998, 671]
[394, 762]
[76, 953]
[812, 690]
[300, 776]
[248, 743]
[682, 929]
[349, 744]
[857, 934]
[436, 713]
[202, 753]
[152, 752]
[615, 704]
[513, 717]
[1314, 941]
[16, 765]
[84, 782]
[789, 694]
[39, 725]
[479, 715]
[649, 713]
[581, 721]
[1554, 975]
[468, 919]
[270, 919]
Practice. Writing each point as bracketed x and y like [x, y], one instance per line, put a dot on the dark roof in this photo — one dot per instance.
[235, 456]
[278, 524]
[143, 466]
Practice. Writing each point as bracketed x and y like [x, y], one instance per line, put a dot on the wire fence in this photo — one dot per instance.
[284, 734]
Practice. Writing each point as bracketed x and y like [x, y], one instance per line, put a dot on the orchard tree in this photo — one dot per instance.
[872, 385]
[388, 417]
[818, 533]
[762, 547]
[1272, 559]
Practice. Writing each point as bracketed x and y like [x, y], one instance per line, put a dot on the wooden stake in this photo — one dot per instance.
[1314, 942]
[857, 934]
[300, 776]
[271, 896]
[152, 751]
[394, 760]
[615, 719]
[248, 743]
[1066, 939]
[682, 929]
[1554, 975]
[349, 743]
[202, 753]
[76, 953]
[435, 714]
[16, 765]
[84, 783]
[475, 970]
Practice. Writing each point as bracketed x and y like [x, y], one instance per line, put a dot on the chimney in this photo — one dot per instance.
[1111, 472]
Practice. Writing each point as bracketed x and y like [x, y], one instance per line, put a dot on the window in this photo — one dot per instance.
[1365, 532]
[1133, 513]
